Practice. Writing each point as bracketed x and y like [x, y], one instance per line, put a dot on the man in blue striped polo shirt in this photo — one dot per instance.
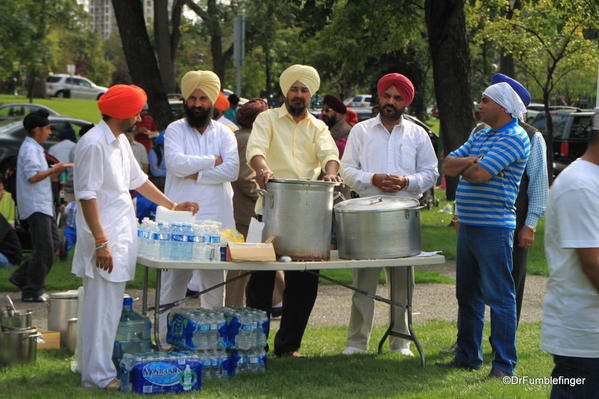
[491, 164]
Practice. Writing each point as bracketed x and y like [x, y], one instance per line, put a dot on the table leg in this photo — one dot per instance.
[408, 305]
[157, 310]
[144, 294]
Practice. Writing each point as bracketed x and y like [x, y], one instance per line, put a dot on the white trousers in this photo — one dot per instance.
[362, 309]
[174, 285]
[102, 308]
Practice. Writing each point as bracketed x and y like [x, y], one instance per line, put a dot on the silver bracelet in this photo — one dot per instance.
[102, 245]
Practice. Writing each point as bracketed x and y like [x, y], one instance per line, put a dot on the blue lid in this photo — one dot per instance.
[128, 301]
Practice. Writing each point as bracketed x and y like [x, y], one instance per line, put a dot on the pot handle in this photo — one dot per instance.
[337, 195]
[261, 192]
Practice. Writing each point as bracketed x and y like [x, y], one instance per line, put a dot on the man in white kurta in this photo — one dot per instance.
[386, 155]
[201, 162]
[106, 251]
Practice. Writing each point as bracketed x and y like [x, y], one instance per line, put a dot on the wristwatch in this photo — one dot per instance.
[533, 228]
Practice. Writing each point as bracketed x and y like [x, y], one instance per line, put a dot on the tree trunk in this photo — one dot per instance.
[506, 64]
[36, 85]
[140, 58]
[216, 46]
[163, 45]
[450, 59]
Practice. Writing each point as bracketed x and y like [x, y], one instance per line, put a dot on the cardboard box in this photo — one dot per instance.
[51, 338]
[251, 252]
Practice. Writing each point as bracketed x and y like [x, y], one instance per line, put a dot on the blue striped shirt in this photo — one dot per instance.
[503, 153]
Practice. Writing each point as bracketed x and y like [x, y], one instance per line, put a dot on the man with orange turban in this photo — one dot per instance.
[392, 156]
[106, 251]
[201, 162]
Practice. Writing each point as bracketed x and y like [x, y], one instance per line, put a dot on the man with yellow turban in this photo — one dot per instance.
[288, 142]
[201, 162]
[106, 251]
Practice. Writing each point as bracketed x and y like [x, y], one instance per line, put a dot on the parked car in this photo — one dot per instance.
[12, 134]
[535, 111]
[359, 100]
[71, 86]
[571, 130]
[20, 110]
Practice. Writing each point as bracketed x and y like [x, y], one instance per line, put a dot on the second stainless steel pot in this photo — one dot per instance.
[299, 213]
[18, 346]
[378, 227]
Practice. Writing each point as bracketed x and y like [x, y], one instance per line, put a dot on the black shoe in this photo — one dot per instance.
[496, 373]
[276, 312]
[35, 298]
[13, 280]
[452, 349]
[454, 364]
[191, 293]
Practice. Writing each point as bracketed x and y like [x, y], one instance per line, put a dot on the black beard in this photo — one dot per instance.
[329, 120]
[391, 116]
[197, 117]
[296, 110]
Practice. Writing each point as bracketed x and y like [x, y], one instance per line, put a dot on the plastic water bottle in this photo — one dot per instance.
[215, 242]
[133, 332]
[189, 239]
[187, 379]
[164, 230]
[177, 242]
[153, 243]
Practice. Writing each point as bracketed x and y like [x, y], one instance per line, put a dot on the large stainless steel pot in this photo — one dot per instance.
[378, 227]
[62, 306]
[18, 346]
[299, 213]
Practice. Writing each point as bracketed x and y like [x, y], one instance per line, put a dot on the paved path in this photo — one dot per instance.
[431, 302]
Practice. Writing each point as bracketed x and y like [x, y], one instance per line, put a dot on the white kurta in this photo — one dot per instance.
[187, 152]
[406, 151]
[105, 170]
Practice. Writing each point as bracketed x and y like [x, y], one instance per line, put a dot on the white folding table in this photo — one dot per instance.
[308, 266]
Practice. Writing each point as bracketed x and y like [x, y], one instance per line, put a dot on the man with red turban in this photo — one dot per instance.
[106, 251]
[386, 155]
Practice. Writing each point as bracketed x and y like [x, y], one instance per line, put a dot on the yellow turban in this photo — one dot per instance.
[207, 81]
[300, 73]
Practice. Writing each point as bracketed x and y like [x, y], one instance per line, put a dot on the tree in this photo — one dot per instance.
[167, 40]
[216, 16]
[141, 59]
[547, 37]
[450, 57]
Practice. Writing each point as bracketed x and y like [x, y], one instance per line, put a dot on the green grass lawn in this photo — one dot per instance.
[324, 374]
[437, 235]
[82, 109]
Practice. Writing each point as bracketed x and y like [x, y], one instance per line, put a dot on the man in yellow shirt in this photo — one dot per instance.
[288, 142]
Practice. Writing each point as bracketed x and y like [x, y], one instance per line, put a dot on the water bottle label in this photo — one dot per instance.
[204, 327]
[246, 327]
[156, 236]
[214, 239]
[179, 237]
[191, 238]
[164, 237]
[146, 235]
[140, 233]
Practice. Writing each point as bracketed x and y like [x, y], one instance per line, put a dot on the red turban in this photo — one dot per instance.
[222, 103]
[122, 101]
[401, 83]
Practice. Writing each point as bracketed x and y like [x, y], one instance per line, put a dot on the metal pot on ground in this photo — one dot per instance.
[378, 227]
[62, 306]
[298, 213]
[18, 346]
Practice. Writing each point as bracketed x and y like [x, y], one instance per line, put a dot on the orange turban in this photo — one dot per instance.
[222, 103]
[403, 85]
[122, 101]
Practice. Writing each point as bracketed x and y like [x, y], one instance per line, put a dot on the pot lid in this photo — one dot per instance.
[72, 294]
[304, 181]
[377, 203]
